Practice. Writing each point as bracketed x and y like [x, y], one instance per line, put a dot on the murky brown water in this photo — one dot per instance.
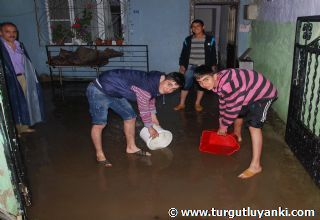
[67, 183]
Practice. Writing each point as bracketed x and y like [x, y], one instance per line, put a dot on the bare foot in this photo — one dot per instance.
[179, 107]
[250, 172]
[101, 157]
[28, 130]
[239, 138]
[198, 107]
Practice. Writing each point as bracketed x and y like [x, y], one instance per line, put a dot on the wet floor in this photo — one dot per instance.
[67, 183]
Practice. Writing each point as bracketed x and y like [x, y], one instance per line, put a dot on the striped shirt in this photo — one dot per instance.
[240, 87]
[146, 105]
[197, 55]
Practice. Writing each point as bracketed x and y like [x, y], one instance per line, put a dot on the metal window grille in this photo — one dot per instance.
[106, 22]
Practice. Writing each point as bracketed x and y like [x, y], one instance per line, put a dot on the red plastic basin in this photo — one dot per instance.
[213, 143]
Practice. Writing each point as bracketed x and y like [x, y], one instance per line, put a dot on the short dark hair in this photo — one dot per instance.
[197, 21]
[9, 24]
[176, 77]
[202, 70]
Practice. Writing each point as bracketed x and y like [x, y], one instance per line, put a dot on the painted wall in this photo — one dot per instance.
[162, 25]
[22, 13]
[8, 201]
[272, 41]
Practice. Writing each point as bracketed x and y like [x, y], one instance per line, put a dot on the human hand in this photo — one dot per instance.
[154, 119]
[182, 69]
[222, 131]
[214, 69]
[153, 132]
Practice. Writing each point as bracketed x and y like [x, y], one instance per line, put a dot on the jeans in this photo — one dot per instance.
[99, 103]
[189, 79]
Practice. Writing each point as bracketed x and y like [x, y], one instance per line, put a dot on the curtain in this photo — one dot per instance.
[108, 26]
[231, 25]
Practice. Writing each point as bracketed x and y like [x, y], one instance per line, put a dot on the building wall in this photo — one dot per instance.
[22, 13]
[272, 42]
[162, 25]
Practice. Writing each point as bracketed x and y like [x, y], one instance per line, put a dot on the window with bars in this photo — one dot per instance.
[83, 21]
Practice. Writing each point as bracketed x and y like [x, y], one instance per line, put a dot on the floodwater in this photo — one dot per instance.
[67, 183]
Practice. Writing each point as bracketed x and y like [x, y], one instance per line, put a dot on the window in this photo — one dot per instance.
[83, 21]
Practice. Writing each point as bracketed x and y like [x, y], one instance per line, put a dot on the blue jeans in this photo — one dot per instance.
[99, 103]
[189, 78]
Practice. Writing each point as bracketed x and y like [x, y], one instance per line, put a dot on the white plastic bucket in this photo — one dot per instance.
[162, 141]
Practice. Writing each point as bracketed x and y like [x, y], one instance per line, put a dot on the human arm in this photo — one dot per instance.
[232, 94]
[146, 107]
[184, 56]
[182, 69]
[212, 54]
[152, 108]
[153, 132]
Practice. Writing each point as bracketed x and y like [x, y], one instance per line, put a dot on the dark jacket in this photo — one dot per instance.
[118, 82]
[27, 110]
[209, 48]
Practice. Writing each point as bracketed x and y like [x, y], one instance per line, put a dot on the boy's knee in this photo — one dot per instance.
[255, 124]
[130, 120]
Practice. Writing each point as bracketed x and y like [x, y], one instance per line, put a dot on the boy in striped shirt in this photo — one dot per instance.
[242, 94]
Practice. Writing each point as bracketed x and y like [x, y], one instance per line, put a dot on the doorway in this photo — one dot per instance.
[220, 21]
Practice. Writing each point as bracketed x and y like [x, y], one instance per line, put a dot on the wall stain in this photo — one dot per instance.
[4, 196]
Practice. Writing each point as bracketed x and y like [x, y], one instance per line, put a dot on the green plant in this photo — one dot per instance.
[120, 36]
[60, 33]
[82, 24]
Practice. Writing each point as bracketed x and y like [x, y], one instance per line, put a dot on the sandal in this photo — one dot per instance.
[248, 174]
[142, 153]
[179, 107]
[198, 108]
[105, 163]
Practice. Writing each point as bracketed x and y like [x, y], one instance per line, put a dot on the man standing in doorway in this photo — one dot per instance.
[23, 87]
[198, 49]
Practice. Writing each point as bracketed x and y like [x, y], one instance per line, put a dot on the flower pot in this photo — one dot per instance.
[98, 41]
[107, 42]
[119, 41]
[59, 42]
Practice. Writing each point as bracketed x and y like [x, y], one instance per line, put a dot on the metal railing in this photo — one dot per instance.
[303, 123]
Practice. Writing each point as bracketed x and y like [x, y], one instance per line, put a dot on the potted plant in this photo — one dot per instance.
[107, 42]
[61, 33]
[119, 40]
[81, 25]
[98, 41]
